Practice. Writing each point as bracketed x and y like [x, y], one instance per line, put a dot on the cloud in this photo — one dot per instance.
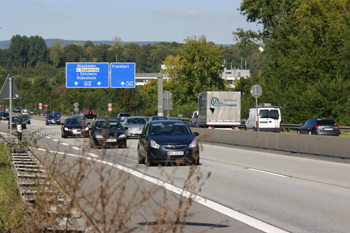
[184, 13]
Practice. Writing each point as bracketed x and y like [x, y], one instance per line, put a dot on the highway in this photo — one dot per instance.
[249, 190]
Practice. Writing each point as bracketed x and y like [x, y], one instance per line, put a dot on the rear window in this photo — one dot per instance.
[326, 122]
[269, 114]
[125, 114]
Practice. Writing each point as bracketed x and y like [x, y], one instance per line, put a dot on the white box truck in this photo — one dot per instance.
[269, 118]
[219, 109]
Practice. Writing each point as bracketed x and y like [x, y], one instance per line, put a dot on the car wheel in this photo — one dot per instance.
[298, 132]
[47, 123]
[141, 159]
[148, 162]
[63, 135]
[245, 128]
[94, 145]
[310, 133]
[195, 160]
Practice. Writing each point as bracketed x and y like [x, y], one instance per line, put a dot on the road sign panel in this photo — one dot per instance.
[110, 105]
[40, 104]
[123, 75]
[76, 109]
[46, 105]
[87, 75]
[5, 90]
[256, 90]
[110, 109]
[40, 107]
[167, 95]
[76, 104]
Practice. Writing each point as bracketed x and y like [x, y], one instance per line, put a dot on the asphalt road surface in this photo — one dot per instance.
[247, 191]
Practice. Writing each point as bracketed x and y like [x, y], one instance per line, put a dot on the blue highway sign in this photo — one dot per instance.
[123, 75]
[87, 75]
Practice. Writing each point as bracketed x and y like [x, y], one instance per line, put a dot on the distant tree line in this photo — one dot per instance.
[40, 73]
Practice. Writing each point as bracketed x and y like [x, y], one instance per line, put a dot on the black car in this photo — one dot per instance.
[168, 141]
[26, 118]
[121, 116]
[319, 126]
[107, 133]
[75, 127]
[16, 109]
[17, 120]
[4, 115]
[53, 119]
[157, 118]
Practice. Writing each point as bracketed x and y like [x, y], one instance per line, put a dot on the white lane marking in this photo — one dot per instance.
[65, 144]
[48, 137]
[55, 140]
[92, 155]
[270, 173]
[76, 148]
[41, 149]
[200, 200]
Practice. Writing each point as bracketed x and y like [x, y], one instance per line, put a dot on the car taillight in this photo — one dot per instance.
[256, 123]
[211, 127]
[234, 127]
[336, 127]
[196, 119]
[318, 127]
[280, 123]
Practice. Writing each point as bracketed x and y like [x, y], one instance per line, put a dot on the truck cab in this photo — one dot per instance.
[269, 118]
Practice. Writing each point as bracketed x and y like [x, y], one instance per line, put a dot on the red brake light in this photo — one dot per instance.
[318, 127]
[234, 127]
[336, 127]
[280, 123]
[196, 119]
[211, 127]
[256, 124]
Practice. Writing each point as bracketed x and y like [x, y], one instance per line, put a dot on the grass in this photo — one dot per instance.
[11, 205]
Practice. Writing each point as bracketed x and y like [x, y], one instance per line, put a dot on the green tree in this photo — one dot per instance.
[37, 51]
[200, 67]
[18, 50]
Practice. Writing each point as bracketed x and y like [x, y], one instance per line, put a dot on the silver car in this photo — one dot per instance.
[133, 126]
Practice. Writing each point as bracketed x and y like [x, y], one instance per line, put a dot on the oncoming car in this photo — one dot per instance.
[52, 119]
[133, 126]
[107, 133]
[74, 127]
[168, 141]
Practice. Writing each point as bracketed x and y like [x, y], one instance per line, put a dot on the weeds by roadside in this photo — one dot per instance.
[115, 199]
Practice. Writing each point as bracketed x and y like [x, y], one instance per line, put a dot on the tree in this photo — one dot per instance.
[172, 65]
[18, 50]
[73, 53]
[200, 67]
[37, 51]
[117, 41]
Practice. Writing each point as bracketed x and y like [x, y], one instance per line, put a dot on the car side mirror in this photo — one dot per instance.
[142, 135]
[88, 123]
[196, 134]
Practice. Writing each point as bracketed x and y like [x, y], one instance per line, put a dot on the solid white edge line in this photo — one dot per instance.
[270, 173]
[255, 223]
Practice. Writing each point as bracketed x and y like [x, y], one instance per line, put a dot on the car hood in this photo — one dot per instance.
[74, 126]
[111, 133]
[172, 139]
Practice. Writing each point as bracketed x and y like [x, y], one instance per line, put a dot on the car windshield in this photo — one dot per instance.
[164, 128]
[136, 121]
[326, 122]
[109, 125]
[51, 116]
[74, 121]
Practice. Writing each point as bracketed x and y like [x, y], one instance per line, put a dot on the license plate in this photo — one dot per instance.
[175, 153]
[111, 140]
[76, 132]
[328, 129]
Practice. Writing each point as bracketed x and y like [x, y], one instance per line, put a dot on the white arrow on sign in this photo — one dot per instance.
[122, 83]
[76, 83]
[99, 83]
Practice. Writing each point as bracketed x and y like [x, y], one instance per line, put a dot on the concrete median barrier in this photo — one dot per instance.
[312, 144]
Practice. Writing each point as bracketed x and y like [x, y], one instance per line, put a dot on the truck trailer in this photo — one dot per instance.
[219, 109]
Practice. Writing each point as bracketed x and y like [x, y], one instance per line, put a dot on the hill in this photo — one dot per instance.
[6, 43]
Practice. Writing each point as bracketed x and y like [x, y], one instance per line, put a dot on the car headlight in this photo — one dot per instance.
[122, 136]
[66, 129]
[87, 128]
[154, 144]
[193, 143]
[99, 136]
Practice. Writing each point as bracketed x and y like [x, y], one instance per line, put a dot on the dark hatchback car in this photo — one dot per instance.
[107, 133]
[319, 126]
[4, 115]
[75, 127]
[17, 120]
[26, 118]
[168, 141]
[53, 119]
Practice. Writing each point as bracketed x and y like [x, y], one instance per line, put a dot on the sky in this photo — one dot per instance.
[132, 20]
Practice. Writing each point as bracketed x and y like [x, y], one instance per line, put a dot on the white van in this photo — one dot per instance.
[269, 118]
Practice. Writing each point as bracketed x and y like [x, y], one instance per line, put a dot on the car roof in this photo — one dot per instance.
[167, 121]
[135, 117]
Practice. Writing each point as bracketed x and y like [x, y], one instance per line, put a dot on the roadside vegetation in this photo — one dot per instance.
[114, 199]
